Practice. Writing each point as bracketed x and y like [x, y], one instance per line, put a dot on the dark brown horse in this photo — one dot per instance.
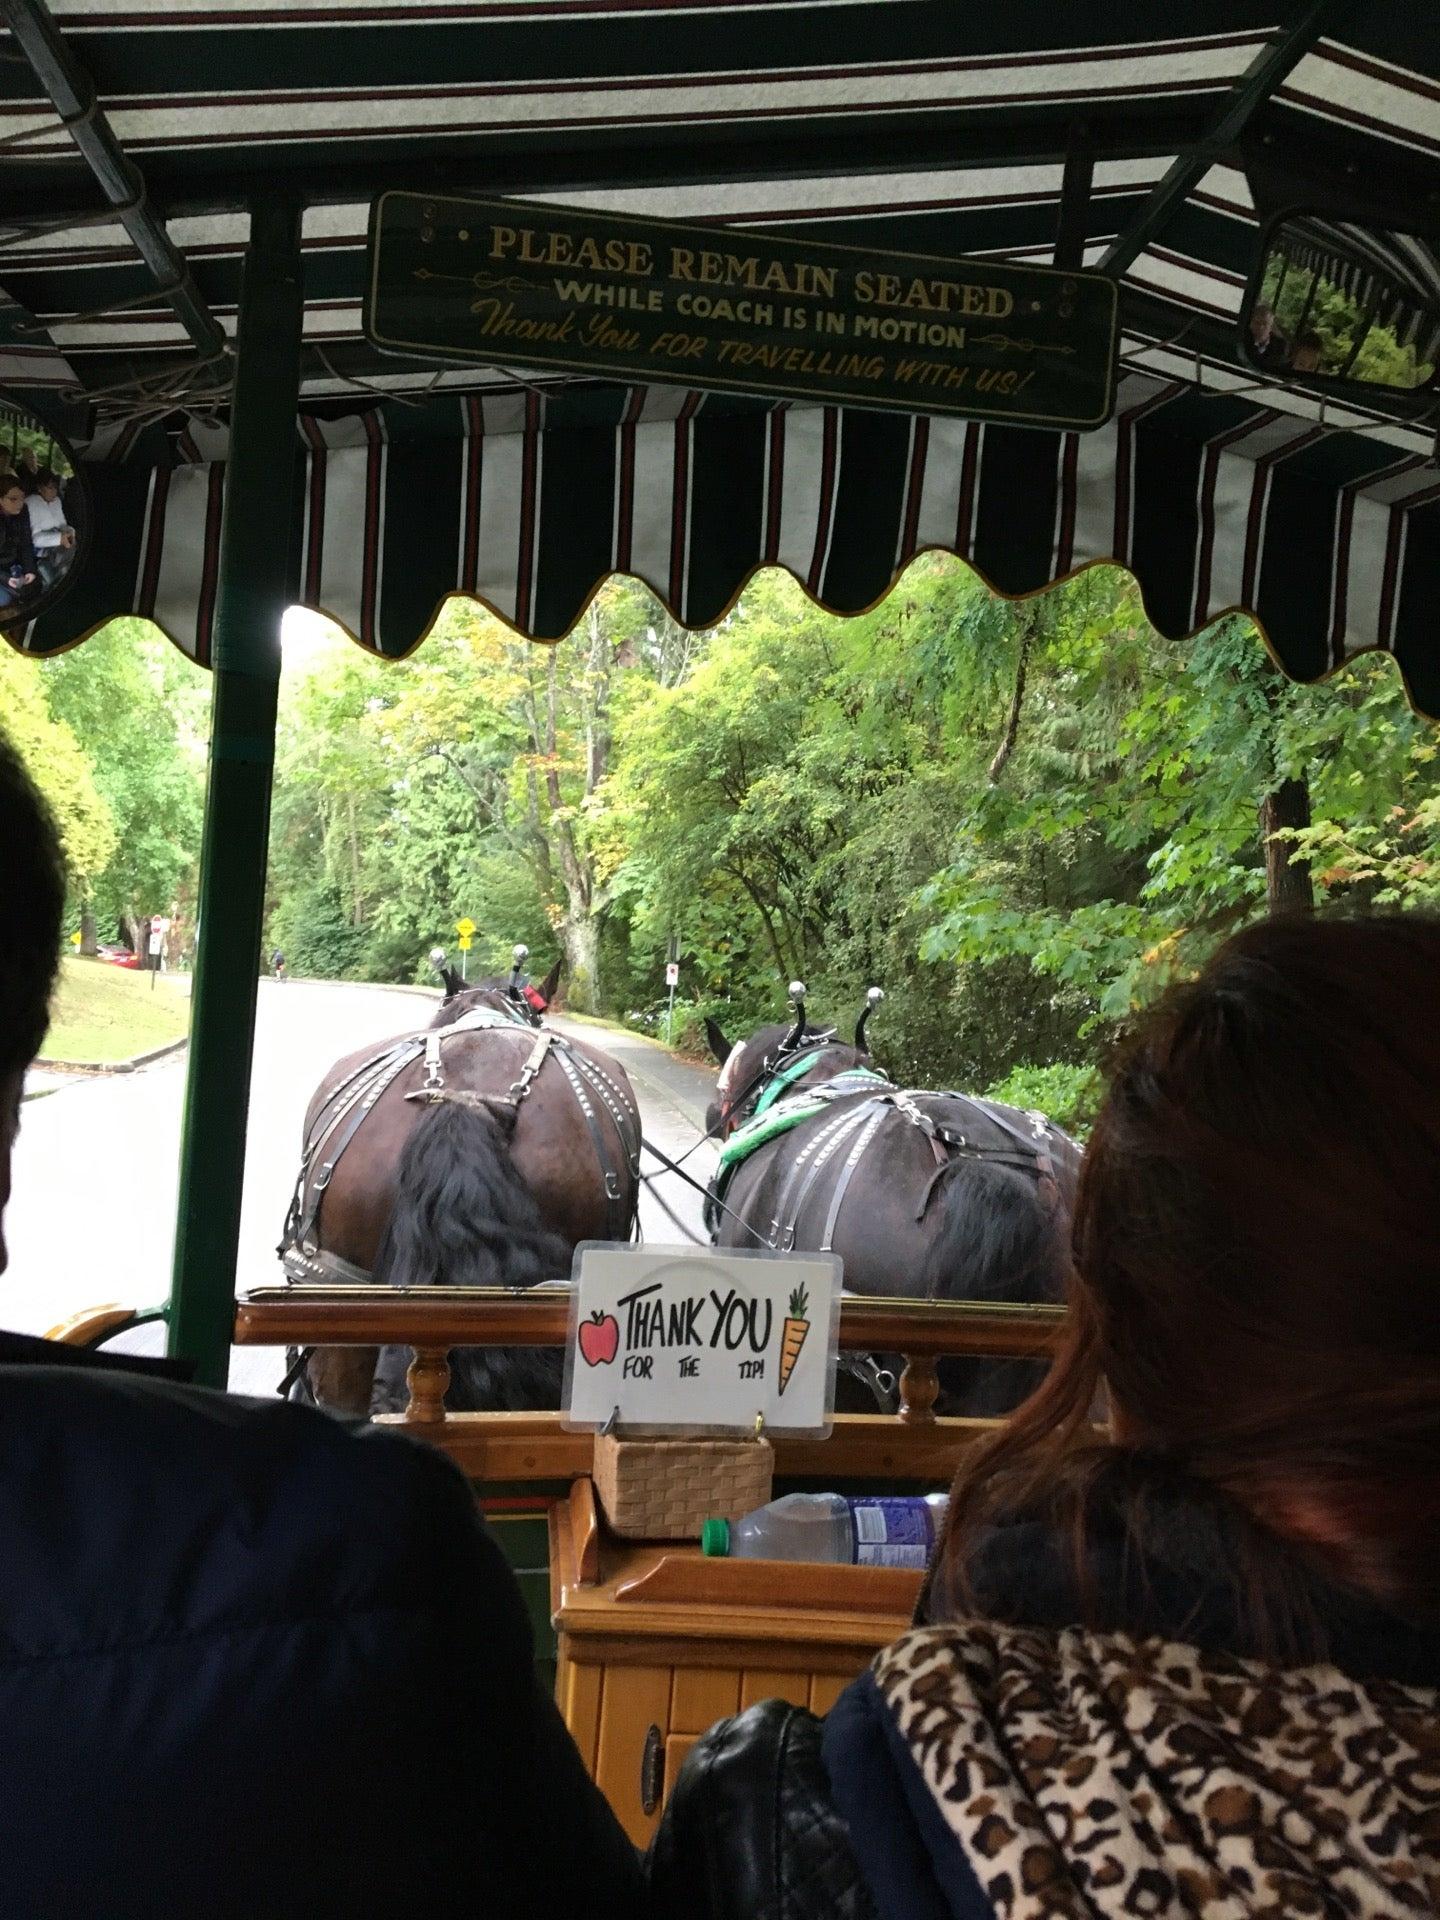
[477, 1152]
[932, 1195]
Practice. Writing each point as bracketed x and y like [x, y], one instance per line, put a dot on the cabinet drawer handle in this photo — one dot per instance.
[652, 1769]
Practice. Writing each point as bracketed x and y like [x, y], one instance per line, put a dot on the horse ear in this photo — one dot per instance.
[453, 983]
[719, 1045]
[551, 982]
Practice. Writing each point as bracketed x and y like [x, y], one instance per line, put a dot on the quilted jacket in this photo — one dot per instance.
[1174, 1754]
[254, 1662]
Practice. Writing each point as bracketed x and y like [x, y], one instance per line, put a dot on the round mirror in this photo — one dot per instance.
[44, 522]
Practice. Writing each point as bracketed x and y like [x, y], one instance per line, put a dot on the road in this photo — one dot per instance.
[95, 1175]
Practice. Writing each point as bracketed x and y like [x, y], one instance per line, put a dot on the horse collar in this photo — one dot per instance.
[783, 1069]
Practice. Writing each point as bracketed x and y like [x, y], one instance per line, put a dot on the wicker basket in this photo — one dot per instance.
[668, 1489]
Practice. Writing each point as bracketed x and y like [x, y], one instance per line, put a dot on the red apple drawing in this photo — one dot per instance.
[600, 1339]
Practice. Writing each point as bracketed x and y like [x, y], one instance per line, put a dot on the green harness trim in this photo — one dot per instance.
[787, 1114]
[782, 1078]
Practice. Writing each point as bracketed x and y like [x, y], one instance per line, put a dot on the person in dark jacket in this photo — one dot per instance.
[19, 571]
[253, 1662]
[1191, 1664]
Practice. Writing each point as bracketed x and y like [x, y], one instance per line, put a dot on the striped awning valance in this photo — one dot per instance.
[1212, 500]
[918, 125]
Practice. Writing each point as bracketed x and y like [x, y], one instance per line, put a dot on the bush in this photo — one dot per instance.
[1067, 1095]
[688, 1035]
[313, 932]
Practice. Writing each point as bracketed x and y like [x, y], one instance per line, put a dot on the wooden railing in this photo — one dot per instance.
[495, 1448]
[432, 1320]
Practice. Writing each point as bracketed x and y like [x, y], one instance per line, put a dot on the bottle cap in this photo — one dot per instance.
[715, 1539]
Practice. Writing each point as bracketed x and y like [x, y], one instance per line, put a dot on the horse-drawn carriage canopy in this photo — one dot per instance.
[1149, 146]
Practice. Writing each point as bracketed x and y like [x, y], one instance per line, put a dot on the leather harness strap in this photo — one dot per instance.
[777, 1063]
[852, 1160]
[810, 1163]
[354, 1098]
[855, 1126]
[349, 1104]
[583, 1082]
[343, 1126]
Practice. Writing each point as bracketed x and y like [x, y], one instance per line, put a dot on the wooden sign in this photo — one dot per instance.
[696, 1340]
[516, 283]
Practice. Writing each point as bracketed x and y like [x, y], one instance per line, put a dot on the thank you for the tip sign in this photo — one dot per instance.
[518, 283]
[682, 1339]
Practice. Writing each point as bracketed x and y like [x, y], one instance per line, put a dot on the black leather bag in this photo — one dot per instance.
[751, 1831]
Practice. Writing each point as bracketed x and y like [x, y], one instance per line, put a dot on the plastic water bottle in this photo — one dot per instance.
[831, 1527]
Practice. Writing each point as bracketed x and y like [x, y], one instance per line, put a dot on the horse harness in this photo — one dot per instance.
[350, 1104]
[779, 1070]
[841, 1143]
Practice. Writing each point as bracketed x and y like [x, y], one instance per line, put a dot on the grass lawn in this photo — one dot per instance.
[103, 1013]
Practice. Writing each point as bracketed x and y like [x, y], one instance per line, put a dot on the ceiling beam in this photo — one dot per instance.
[1073, 216]
[1251, 91]
[185, 186]
[71, 93]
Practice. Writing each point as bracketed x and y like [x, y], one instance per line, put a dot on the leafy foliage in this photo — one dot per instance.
[61, 769]
[1020, 819]
[1068, 1095]
[139, 709]
[1350, 337]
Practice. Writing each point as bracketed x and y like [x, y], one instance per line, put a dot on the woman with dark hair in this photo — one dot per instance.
[1187, 1662]
[19, 571]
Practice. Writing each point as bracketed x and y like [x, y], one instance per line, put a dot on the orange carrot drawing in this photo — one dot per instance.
[792, 1335]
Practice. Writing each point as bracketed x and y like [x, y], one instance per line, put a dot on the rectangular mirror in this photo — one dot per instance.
[1335, 300]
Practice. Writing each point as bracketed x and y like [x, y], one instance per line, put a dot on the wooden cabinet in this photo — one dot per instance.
[657, 1643]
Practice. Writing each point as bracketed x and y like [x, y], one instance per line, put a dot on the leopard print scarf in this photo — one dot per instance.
[1102, 1775]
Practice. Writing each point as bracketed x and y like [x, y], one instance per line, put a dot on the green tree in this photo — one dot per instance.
[61, 769]
[522, 735]
[136, 706]
[1021, 819]
[1152, 774]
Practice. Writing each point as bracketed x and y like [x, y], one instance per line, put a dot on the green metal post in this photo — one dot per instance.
[250, 599]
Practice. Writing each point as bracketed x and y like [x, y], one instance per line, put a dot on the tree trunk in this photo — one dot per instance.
[1288, 887]
[88, 942]
[1017, 700]
[357, 905]
[580, 940]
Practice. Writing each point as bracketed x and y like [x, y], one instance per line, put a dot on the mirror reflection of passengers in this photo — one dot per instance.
[19, 570]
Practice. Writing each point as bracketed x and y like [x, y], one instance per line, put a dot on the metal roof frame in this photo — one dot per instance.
[1251, 91]
[71, 92]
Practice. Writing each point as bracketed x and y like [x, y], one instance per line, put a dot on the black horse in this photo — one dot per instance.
[935, 1195]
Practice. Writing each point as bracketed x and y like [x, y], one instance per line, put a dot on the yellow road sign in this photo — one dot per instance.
[465, 928]
[464, 943]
